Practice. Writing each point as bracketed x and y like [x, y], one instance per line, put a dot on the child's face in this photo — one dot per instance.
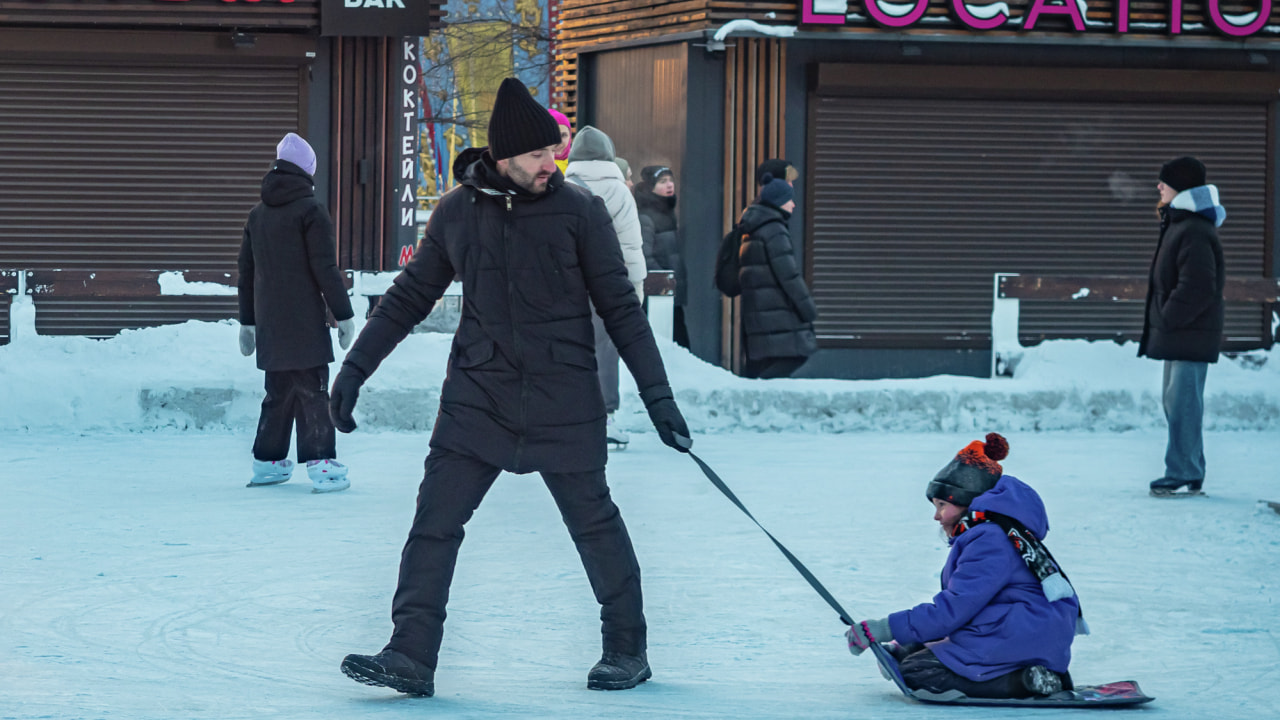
[947, 514]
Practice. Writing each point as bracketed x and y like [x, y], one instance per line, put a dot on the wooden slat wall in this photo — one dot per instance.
[363, 85]
[584, 23]
[755, 130]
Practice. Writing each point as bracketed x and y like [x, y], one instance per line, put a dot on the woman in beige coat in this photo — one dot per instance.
[592, 166]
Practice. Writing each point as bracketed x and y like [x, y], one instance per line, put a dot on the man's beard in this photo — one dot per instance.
[528, 181]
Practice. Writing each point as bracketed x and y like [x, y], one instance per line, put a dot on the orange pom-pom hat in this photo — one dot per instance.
[973, 471]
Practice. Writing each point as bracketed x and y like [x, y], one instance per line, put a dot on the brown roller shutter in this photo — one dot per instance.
[916, 202]
[107, 166]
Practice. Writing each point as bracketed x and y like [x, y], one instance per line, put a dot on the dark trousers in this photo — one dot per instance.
[298, 397]
[774, 367]
[451, 490]
[679, 330]
[922, 670]
[607, 362]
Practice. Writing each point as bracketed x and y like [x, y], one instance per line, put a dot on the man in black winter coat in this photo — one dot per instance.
[1184, 314]
[521, 392]
[289, 281]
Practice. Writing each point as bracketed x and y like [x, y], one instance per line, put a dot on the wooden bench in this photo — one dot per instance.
[1010, 288]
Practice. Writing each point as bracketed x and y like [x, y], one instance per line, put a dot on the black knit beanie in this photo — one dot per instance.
[777, 168]
[973, 471]
[1183, 173]
[519, 124]
[649, 174]
[775, 192]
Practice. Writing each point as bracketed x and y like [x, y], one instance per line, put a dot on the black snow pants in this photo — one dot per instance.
[301, 397]
[451, 490]
[923, 670]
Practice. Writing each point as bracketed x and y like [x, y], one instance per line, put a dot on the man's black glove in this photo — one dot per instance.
[342, 397]
[666, 417]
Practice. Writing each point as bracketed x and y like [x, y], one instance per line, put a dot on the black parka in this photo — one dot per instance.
[661, 236]
[289, 271]
[521, 391]
[777, 309]
[1184, 311]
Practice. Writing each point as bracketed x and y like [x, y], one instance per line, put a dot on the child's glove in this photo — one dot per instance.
[861, 635]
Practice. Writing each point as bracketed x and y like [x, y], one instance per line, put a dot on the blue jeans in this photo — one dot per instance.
[1184, 410]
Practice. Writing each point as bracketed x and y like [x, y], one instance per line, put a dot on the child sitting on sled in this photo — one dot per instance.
[1003, 624]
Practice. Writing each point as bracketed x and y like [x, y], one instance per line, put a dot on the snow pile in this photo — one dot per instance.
[193, 376]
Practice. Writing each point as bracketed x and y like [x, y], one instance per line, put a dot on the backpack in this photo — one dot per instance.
[727, 261]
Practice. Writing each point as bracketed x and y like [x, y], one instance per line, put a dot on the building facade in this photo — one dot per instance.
[133, 136]
[939, 143]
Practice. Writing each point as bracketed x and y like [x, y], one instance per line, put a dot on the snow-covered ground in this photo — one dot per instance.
[192, 376]
[140, 579]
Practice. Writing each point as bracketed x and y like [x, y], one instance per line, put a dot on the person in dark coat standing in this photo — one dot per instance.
[1184, 314]
[289, 282]
[777, 309]
[1003, 624]
[656, 205]
[520, 394]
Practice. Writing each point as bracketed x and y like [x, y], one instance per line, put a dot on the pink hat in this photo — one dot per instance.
[562, 119]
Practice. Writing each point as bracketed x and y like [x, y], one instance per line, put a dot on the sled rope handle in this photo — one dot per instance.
[799, 566]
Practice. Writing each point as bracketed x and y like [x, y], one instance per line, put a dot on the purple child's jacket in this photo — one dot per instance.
[992, 617]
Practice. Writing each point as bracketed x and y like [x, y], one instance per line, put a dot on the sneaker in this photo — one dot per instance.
[327, 476]
[613, 434]
[1040, 680]
[616, 671]
[1166, 486]
[391, 669]
[270, 472]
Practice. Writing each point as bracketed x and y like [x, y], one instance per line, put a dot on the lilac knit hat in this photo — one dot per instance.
[296, 150]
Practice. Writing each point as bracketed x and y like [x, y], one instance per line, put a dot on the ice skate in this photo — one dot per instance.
[327, 476]
[270, 472]
[614, 435]
[1166, 487]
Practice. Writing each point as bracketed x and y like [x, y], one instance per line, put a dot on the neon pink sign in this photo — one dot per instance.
[899, 14]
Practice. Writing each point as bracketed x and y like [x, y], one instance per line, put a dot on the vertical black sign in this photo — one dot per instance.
[407, 148]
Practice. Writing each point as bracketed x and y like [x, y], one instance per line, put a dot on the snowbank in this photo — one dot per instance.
[192, 376]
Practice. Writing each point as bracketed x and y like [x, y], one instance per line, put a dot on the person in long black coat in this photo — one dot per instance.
[289, 281]
[777, 309]
[521, 393]
[656, 206]
[1184, 313]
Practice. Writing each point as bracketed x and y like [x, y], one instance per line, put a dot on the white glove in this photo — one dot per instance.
[861, 635]
[247, 340]
[346, 332]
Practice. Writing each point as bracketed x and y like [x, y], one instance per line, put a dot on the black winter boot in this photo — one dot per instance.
[616, 671]
[391, 669]
[1041, 681]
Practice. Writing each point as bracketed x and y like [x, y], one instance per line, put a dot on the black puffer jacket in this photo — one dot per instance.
[777, 310]
[1184, 314]
[660, 235]
[289, 271]
[521, 391]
